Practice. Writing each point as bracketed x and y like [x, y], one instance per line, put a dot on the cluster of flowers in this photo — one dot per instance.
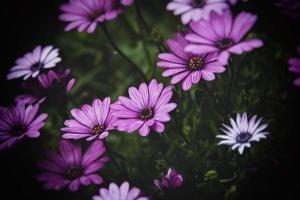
[214, 34]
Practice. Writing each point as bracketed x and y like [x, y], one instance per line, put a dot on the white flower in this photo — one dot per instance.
[242, 132]
[114, 192]
[195, 10]
[31, 63]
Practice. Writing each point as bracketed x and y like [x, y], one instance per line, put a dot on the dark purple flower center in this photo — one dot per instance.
[243, 137]
[95, 15]
[73, 173]
[224, 43]
[36, 66]
[97, 129]
[196, 63]
[18, 130]
[146, 114]
[199, 3]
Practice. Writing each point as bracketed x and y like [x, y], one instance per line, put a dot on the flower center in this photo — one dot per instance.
[199, 3]
[146, 114]
[243, 137]
[73, 173]
[97, 129]
[224, 43]
[196, 63]
[18, 130]
[94, 15]
[36, 66]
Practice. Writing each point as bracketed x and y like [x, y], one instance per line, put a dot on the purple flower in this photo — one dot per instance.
[126, 2]
[171, 180]
[195, 10]
[242, 132]
[290, 8]
[19, 121]
[222, 34]
[51, 83]
[188, 67]
[295, 67]
[124, 192]
[91, 121]
[232, 2]
[71, 168]
[147, 108]
[31, 63]
[87, 14]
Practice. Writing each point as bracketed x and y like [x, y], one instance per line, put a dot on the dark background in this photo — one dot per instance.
[26, 24]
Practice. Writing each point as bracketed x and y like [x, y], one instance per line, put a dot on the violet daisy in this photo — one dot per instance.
[90, 122]
[232, 2]
[71, 168]
[124, 192]
[171, 180]
[31, 63]
[56, 84]
[222, 34]
[195, 10]
[18, 122]
[295, 67]
[188, 67]
[87, 14]
[147, 108]
[242, 132]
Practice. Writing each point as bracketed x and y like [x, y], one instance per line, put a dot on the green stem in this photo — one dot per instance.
[117, 49]
[227, 180]
[145, 46]
[213, 97]
[144, 23]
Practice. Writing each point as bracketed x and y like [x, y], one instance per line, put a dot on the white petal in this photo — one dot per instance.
[241, 148]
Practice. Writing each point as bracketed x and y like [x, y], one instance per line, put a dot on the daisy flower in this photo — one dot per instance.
[31, 63]
[71, 168]
[147, 108]
[242, 132]
[90, 122]
[18, 122]
[53, 83]
[86, 15]
[126, 2]
[124, 192]
[222, 34]
[295, 67]
[195, 10]
[232, 2]
[171, 180]
[188, 67]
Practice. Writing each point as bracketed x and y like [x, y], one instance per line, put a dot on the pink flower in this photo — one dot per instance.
[147, 108]
[124, 192]
[222, 34]
[188, 67]
[54, 84]
[295, 67]
[171, 180]
[18, 122]
[195, 10]
[87, 14]
[127, 2]
[232, 2]
[32, 63]
[71, 168]
[90, 122]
